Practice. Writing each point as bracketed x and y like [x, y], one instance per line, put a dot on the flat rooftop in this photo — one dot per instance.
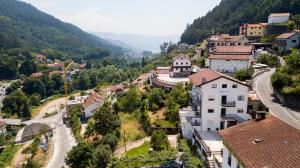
[165, 78]
[212, 140]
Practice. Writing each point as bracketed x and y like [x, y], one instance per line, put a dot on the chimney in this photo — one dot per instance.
[203, 80]
[260, 115]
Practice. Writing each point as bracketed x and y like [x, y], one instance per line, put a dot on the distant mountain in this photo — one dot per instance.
[139, 42]
[22, 25]
[230, 14]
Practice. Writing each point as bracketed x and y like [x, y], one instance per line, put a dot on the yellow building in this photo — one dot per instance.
[253, 30]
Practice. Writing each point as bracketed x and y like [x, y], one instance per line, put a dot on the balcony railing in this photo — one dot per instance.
[229, 104]
[200, 140]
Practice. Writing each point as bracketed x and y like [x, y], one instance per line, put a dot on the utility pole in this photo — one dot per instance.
[124, 138]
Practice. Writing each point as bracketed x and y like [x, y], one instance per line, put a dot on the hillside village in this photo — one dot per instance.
[230, 101]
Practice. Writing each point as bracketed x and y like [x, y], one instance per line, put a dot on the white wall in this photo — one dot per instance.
[230, 66]
[212, 120]
[290, 43]
[278, 19]
[234, 161]
[182, 62]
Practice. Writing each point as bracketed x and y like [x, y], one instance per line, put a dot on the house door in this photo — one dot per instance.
[224, 99]
[222, 125]
[223, 112]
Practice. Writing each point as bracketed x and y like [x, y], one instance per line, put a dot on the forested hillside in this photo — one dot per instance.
[24, 26]
[230, 14]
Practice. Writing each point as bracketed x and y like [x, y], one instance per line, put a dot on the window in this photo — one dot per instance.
[234, 86]
[210, 110]
[176, 63]
[240, 111]
[214, 86]
[186, 63]
[229, 159]
[182, 63]
[241, 98]
[294, 41]
[211, 98]
[208, 129]
[224, 85]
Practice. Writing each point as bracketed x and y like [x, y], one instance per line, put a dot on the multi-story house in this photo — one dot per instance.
[168, 77]
[263, 143]
[181, 66]
[278, 18]
[229, 59]
[287, 41]
[91, 104]
[253, 30]
[225, 40]
[218, 102]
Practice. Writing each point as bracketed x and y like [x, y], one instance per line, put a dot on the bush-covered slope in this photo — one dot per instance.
[230, 14]
[22, 25]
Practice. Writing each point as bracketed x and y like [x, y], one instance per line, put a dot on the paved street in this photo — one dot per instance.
[62, 136]
[264, 91]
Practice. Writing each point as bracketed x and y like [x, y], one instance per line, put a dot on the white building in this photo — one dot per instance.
[225, 40]
[262, 143]
[181, 66]
[168, 77]
[278, 18]
[229, 59]
[288, 40]
[220, 100]
[91, 104]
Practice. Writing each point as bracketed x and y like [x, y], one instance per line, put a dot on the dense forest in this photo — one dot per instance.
[24, 26]
[230, 14]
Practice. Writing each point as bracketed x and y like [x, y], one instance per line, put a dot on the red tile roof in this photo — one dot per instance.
[234, 49]
[37, 74]
[208, 75]
[280, 146]
[230, 57]
[286, 35]
[93, 99]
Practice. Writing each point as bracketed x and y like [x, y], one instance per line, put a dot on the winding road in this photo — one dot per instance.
[62, 136]
[264, 90]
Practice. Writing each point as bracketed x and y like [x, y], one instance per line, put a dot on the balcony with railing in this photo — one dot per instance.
[229, 104]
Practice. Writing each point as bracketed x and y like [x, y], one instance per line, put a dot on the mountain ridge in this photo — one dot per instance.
[29, 27]
[230, 14]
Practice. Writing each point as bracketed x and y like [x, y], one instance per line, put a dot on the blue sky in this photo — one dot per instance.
[144, 17]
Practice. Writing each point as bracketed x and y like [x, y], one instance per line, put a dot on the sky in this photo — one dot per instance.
[143, 17]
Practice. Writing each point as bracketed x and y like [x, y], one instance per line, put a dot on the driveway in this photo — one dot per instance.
[264, 90]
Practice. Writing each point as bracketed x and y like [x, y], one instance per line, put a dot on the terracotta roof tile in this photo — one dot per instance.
[230, 57]
[93, 99]
[280, 146]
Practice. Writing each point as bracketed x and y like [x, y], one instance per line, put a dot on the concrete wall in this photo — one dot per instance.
[278, 19]
[234, 161]
[212, 120]
[230, 66]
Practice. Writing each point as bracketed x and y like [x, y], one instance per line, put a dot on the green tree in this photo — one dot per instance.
[180, 95]
[16, 103]
[159, 140]
[172, 113]
[81, 156]
[35, 100]
[156, 99]
[33, 85]
[243, 74]
[8, 67]
[111, 140]
[279, 80]
[75, 123]
[102, 156]
[28, 67]
[201, 62]
[105, 120]
[131, 100]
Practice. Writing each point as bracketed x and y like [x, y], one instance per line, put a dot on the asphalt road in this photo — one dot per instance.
[63, 138]
[264, 90]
